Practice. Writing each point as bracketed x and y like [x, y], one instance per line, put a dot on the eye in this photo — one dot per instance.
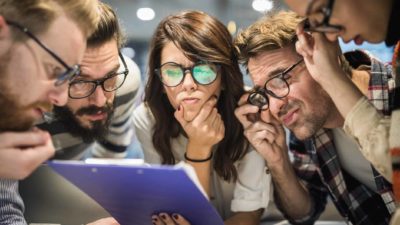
[52, 71]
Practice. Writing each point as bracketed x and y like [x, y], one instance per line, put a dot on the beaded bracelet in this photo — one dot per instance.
[198, 160]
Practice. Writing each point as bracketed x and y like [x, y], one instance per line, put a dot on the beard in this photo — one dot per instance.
[13, 115]
[96, 131]
[313, 120]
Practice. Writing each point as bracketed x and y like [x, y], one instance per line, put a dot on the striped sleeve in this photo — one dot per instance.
[11, 205]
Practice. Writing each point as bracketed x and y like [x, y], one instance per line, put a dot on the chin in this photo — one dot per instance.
[189, 116]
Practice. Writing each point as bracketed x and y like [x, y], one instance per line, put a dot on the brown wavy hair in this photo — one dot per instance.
[200, 37]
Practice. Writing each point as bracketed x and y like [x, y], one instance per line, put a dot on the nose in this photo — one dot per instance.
[98, 97]
[188, 81]
[276, 105]
[59, 95]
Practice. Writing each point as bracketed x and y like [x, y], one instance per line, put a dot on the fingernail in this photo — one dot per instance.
[154, 218]
[163, 216]
[175, 216]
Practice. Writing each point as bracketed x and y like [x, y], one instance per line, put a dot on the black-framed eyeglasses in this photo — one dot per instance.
[68, 74]
[277, 86]
[172, 74]
[324, 26]
[84, 88]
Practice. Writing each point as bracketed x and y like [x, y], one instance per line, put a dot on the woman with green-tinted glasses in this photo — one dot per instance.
[192, 90]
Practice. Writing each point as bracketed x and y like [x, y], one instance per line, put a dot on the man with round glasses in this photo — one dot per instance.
[326, 162]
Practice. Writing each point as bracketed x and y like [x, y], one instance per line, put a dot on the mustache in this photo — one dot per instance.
[92, 110]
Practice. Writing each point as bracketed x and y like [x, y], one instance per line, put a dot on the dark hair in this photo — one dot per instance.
[107, 28]
[201, 37]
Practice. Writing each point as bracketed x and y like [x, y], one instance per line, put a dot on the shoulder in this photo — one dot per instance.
[133, 79]
[142, 117]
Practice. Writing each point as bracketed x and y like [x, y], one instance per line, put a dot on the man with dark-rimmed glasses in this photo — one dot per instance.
[96, 116]
[37, 62]
[326, 162]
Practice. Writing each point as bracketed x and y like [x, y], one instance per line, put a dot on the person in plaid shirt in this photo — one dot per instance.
[326, 161]
[361, 20]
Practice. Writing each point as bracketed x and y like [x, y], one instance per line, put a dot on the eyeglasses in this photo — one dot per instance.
[277, 87]
[68, 74]
[324, 26]
[84, 88]
[172, 74]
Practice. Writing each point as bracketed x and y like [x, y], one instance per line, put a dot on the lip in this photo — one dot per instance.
[98, 116]
[38, 113]
[190, 101]
[289, 118]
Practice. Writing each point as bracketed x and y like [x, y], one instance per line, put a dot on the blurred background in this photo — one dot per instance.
[139, 19]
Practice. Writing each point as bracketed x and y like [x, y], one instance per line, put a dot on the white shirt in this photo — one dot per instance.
[250, 192]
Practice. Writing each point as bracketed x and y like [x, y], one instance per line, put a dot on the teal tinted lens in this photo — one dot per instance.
[205, 73]
[171, 75]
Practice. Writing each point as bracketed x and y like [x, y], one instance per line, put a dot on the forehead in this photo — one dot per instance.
[171, 53]
[266, 64]
[99, 61]
[60, 42]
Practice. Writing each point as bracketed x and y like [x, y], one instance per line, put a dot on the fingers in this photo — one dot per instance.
[179, 219]
[23, 139]
[179, 116]
[243, 114]
[165, 219]
[304, 44]
[206, 110]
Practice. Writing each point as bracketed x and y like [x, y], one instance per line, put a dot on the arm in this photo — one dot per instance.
[362, 120]
[322, 60]
[268, 138]
[11, 205]
[204, 131]
[252, 190]
[245, 218]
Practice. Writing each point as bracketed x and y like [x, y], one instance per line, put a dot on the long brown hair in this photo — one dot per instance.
[201, 37]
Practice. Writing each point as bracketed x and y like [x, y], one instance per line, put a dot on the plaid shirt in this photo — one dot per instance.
[317, 165]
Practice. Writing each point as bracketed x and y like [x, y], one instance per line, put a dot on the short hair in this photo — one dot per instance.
[107, 28]
[273, 31]
[37, 15]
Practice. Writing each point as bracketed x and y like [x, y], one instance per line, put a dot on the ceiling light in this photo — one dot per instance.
[145, 14]
[262, 5]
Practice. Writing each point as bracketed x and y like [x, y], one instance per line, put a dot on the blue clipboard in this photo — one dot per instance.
[132, 194]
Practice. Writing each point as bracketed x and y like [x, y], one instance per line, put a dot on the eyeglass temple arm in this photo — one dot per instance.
[27, 32]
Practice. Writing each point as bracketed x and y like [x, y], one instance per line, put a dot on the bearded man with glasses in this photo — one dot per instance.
[101, 98]
[37, 62]
[326, 161]
[96, 116]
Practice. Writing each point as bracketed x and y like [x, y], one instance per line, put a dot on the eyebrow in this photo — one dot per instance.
[275, 72]
[111, 72]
